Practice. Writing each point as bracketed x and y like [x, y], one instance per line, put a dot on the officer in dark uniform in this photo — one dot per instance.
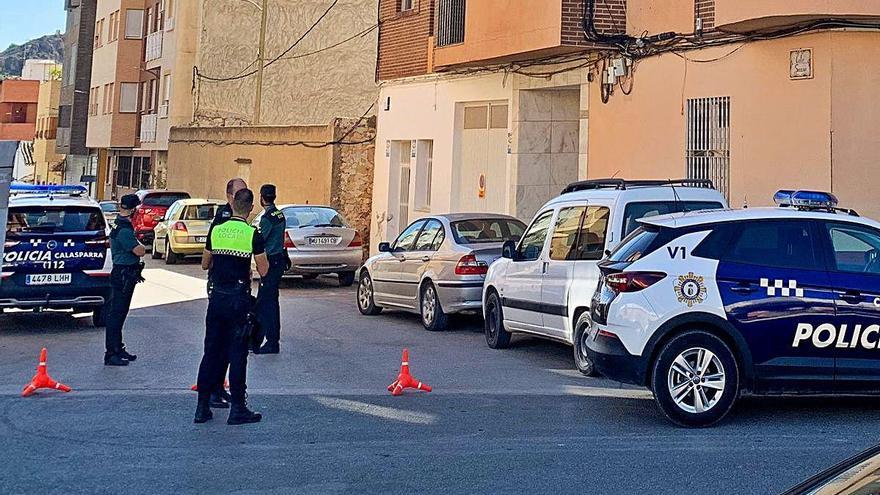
[227, 256]
[268, 311]
[127, 268]
[220, 397]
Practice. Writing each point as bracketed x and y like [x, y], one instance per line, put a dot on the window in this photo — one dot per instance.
[123, 171]
[166, 82]
[99, 33]
[579, 234]
[424, 171]
[856, 247]
[565, 234]
[407, 5]
[314, 216]
[533, 240]
[635, 245]
[426, 240]
[146, 172]
[113, 27]
[636, 210]
[498, 117]
[128, 97]
[134, 24]
[708, 141]
[487, 230]
[165, 199]
[53, 219]
[476, 117]
[782, 244]
[18, 113]
[406, 240]
[200, 212]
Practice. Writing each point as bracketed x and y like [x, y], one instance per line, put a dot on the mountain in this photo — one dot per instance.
[48, 47]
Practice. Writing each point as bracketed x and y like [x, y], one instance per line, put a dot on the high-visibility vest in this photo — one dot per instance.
[233, 238]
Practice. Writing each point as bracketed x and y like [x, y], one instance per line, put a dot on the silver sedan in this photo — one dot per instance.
[436, 266]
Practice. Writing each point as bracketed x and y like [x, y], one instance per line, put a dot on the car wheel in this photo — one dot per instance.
[171, 258]
[365, 301]
[99, 316]
[155, 254]
[497, 337]
[346, 279]
[581, 333]
[695, 379]
[433, 317]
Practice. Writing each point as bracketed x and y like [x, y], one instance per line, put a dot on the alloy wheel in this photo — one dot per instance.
[696, 380]
[429, 305]
[365, 292]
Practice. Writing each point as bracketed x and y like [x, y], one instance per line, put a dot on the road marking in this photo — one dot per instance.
[167, 287]
[402, 415]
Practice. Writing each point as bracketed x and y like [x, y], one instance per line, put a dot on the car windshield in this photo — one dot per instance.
[313, 216]
[163, 199]
[487, 230]
[199, 212]
[109, 207]
[53, 219]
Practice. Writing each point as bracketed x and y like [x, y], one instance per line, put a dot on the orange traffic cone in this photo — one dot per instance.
[405, 380]
[42, 379]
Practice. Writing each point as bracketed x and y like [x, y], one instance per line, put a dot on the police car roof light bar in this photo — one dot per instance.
[623, 184]
[70, 190]
[810, 200]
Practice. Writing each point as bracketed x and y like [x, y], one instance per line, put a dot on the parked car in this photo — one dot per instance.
[702, 307]
[57, 252]
[543, 285]
[183, 231]
[154, 204]
[319, 241]
[436, 266]
[111, 211]
[858, 475]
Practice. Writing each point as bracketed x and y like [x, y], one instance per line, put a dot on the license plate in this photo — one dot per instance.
[47, 279]
[201, 238]
[323, 241]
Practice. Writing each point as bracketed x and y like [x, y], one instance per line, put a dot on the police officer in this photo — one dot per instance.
[127, 267]
[268, 311]
[227, 256]
[220, 397]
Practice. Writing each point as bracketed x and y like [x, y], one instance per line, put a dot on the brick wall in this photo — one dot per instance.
[351, 186]
[403, 39]
[705, 9]
[610, 18]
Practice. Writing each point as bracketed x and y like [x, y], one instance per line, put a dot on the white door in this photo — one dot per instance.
[521, 292]
[482, 161]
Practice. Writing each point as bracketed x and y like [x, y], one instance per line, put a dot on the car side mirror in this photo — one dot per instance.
[508, 250]
[607, 253]
[384, 247]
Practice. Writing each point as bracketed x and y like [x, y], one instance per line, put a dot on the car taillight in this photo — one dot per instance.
[468, 265]
[632, 281]
[103, 242]
[357, 241]
[180, 227]
[288, 242]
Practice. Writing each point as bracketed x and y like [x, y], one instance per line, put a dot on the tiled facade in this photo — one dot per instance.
[705, 10]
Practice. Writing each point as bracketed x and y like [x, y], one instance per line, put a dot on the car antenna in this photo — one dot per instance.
[615, 174]
[675, 193]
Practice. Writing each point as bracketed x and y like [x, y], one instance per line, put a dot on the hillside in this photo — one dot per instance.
[48, 47]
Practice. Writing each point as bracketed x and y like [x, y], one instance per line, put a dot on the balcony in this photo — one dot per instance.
[18, 132]
[154, 46]
[748, 15]
[450, 22]
[149, 123]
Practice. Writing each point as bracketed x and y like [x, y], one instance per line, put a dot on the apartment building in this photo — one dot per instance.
[489, 112]
[73, 108]
[142, 63]
[18, 109]
[48, 163]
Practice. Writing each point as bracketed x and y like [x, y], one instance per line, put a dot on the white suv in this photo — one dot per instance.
[543, 285]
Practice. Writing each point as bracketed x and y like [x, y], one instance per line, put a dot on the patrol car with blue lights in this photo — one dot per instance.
[701, 307]
[57, 251]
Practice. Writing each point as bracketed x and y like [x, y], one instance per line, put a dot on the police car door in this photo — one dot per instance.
[773, 285]
[855, 275]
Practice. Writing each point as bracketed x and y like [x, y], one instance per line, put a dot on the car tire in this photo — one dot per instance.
[99, 316]
[154, 253]
[171, 258]
[682, 391]
[433, 317]
[346, 279]
[365, 296]
[582, 361]
[497, 337]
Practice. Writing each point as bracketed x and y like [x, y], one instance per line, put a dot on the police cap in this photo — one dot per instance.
[129, 201]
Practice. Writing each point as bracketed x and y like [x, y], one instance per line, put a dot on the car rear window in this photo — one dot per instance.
[487, 230]
[109, 207]
[53, 219]
[635, 245]
[641, 209]
[199, 212]
[314, 216]
[163, 199]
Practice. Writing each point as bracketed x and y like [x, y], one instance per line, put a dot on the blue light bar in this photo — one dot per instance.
[805, 199]
[22, 188]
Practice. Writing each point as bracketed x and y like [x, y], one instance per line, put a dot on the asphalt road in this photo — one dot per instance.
[519, 420]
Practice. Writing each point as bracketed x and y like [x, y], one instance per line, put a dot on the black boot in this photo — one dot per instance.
[114, 359]
[218, 400]
[125, 355]
[203, 411]
[269, 348]
[239, 414]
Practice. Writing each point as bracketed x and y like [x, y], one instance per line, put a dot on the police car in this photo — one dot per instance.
[701, 307]
[57, 251]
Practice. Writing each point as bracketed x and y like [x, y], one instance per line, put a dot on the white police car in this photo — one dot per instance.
[701, 307]
[57, 251]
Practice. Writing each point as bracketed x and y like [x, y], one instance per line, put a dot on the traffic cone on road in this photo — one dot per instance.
[405, 380]
[42, 379]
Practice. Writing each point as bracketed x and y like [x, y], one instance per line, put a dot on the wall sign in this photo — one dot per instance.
[801, 64]
[482, 186]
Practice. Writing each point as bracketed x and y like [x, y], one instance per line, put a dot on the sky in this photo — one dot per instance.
[23, 20]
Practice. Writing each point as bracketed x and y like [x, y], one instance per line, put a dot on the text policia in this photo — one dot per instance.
[826, 334]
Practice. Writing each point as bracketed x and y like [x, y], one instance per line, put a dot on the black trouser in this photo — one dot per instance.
[268, 310]
[123, 278]
[224, 343]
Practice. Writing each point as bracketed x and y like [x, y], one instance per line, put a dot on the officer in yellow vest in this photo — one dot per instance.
[227, 256]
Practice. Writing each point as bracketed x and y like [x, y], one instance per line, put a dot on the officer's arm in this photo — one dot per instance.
[139, 250]
[130, 241]
[207, 259]
[262, 264]
[265, 227]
